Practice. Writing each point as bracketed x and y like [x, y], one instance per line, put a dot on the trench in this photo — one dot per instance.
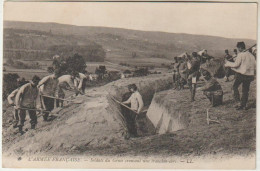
[146, 125]
[137, 125]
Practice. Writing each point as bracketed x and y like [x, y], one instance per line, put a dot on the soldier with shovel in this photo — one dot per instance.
[48, 87]
[25, 100]
[137, 104]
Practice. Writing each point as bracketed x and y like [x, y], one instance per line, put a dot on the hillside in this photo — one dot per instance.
[135, 46]
[34, 45]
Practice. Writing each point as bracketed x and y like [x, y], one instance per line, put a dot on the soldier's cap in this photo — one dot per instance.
[133, 86]
[226, 50]
[36, 78]
[194, 54]
[241, 45]
[235, 50]
[205, 73]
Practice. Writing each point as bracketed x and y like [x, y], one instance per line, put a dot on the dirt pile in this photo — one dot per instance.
[97, 122]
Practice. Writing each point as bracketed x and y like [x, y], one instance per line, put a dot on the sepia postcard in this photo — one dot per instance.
[129, 85]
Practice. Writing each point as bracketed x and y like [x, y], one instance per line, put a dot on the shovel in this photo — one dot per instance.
[75, 102]
[127, 106]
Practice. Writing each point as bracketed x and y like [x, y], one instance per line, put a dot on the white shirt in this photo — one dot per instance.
[11, 97]
[136, 101]
[49, 85]
[80, 79]
[26, 96]
[245, 64]
[66, 80]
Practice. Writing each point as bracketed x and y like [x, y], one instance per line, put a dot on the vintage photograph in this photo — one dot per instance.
[156, 85]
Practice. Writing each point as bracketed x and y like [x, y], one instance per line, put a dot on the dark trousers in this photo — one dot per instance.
[22, 115]
[245, 80]
[132, 123]
[176, 79]
[16, 117]
[49, 104]
[192, 87]
[84, 84]
[228, 71]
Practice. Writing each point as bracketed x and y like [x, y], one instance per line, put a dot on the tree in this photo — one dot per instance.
[76, 63]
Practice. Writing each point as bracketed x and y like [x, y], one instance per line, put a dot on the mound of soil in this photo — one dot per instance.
[96, 122]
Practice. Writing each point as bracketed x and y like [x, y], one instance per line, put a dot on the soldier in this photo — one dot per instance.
[48, 87]
[212, 89]
[81, 81]
[11, 101]
[183, 73]
[244, 66]
[136, 104]
[25, 100]
[193, 73]
[176, 75]
[228, 70]
[66, 82]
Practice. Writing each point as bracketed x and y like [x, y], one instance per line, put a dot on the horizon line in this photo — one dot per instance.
[126, 29]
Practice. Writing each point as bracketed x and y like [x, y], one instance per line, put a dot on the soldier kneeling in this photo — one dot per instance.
[212, 89]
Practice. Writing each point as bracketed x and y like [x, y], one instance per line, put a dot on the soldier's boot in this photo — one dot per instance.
[15, 124]
[20, 127]
[45, 117]
[33, 126]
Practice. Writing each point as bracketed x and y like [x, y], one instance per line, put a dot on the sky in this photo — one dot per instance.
[231, 20]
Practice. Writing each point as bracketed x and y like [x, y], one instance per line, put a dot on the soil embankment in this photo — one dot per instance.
[96, 122]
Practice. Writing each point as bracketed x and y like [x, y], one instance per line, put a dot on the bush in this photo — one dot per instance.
[127, 72]
[76, 63]
[141, 72]
[9, 84]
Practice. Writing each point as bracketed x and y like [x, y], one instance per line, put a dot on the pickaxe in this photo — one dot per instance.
[211, 120]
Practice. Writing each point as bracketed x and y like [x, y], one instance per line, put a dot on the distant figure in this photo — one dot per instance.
[212, 89]
[136, 104]
[193, 73]
[244, 66]
[183, 69]
[48, 87]
[176, 75]
[204, 56]
[25, 100]
[228, 70]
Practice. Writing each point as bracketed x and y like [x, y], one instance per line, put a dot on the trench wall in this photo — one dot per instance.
[169, 111]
